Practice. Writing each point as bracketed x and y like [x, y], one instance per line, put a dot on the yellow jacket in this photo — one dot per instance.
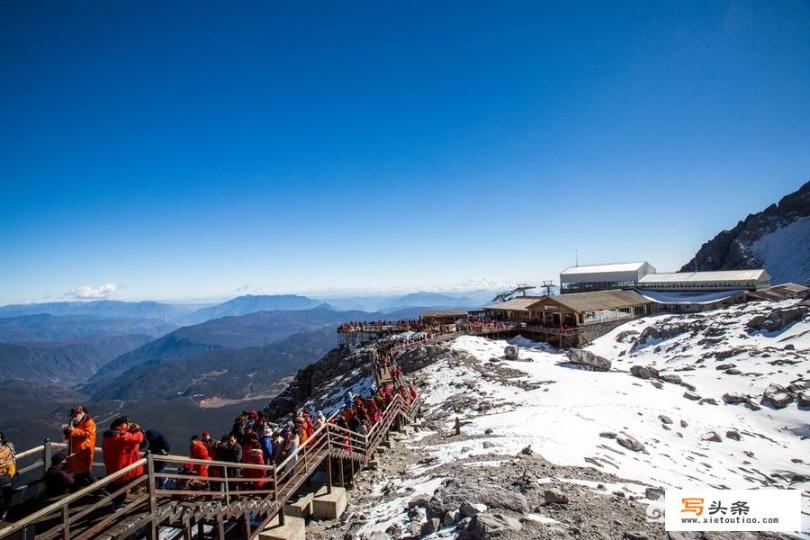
[8, 464]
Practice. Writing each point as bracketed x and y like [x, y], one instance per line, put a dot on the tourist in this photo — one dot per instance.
[158, 446]
[58, 481]
[120, 446]
[252, 455]
[8, 468]
[80, 435]
[198, 450]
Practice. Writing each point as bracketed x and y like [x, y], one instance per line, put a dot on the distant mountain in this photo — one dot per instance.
[252, 330]
[65, 363]
[428, 299]
[777, 239]
[243, 305]
[101, 308]
[220, 373]
[71, 328]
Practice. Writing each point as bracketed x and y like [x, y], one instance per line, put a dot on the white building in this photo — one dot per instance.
[603, 276]
[722, 280]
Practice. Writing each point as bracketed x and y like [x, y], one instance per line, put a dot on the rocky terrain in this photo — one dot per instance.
[553, 447]
[777, 239]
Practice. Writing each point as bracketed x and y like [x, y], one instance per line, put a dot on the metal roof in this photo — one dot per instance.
[598, 268]
[599, 300]
[516, 304]
[697, 277]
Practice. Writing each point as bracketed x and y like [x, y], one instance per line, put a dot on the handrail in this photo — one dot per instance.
[65, 501]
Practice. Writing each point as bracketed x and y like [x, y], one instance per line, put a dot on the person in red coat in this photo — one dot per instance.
[198, 450]
[81, 437]
[252, 454]
[120, 448]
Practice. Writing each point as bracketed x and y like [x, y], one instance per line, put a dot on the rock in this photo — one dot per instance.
[420, 501]
[734, 398]
[657, 384]
[776, 396]
[723, 367]
[630, 443]
[790, 347]
[608, 435]
[708, 401]
[654, 493]
[733, 434]
[430, 526]
[555, 496]
[777, 319]
[691, 395]
[665, 419]
[683, 423]
[527, 451]
[635, 536]
[804, 400]
[489, 444]
[733, 371]
[450, 518]
[752, 405]
[468, 509]
[712, 436]
[588, 359]
[488, 431]
[379, 535]
[671, 378]
[485, 526]
[644, 372]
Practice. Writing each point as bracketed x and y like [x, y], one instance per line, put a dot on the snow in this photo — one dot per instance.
[666, 297]
[563, 421]
[785, 252]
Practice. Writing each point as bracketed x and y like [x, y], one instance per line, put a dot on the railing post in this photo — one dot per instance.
[46, 455]
[65, 523]
[227, 488]
[152, 487]
[275, 483]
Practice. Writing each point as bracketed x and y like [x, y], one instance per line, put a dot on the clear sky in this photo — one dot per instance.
[175, 150]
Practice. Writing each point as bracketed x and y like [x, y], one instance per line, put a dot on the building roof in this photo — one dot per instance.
[668, 297]
[599, 268]
[445, 313]
[697, 277]
[521, 303]
[784, 291]
[599, 300]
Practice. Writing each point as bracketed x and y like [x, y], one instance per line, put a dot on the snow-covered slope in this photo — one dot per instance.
[682, 431]
[785, 252]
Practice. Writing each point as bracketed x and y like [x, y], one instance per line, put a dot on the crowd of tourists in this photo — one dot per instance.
[252, 440]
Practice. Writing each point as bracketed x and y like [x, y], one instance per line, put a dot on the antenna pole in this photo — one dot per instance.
[576, 255]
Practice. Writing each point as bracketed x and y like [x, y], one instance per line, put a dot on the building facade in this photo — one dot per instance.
[602, 277]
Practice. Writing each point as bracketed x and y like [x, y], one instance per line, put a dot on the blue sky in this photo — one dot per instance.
[186, 150]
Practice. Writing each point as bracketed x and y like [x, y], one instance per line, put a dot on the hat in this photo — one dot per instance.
[206, 434]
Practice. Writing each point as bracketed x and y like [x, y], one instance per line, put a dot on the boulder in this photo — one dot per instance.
[723, 367]
[671, 378]
[733, 434]
[644, 372]
[630, 443]
[708, 401]
[665, 419]
[484, 526]
[654, 493]
[734, 398]
[555, 496]
[691, 395]
[712, 436]
[430, 526]
[777, 319]
[804, 400]
[776, 396]
[588, 359]
[468, 509]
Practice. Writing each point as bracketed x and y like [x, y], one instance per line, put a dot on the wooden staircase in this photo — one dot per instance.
[241, 508]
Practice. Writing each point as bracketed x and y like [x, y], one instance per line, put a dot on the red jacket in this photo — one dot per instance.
[253, 456]
[82, 444]
[120, 449]
[198, 450]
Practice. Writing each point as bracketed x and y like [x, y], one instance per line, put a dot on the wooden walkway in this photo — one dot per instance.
[238, 503]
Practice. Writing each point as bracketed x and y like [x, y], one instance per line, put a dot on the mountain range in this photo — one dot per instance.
[777, 239]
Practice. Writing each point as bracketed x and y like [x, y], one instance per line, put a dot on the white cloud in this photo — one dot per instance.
[92, 293]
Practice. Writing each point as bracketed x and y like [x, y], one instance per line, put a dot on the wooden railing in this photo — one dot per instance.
[85, 514]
